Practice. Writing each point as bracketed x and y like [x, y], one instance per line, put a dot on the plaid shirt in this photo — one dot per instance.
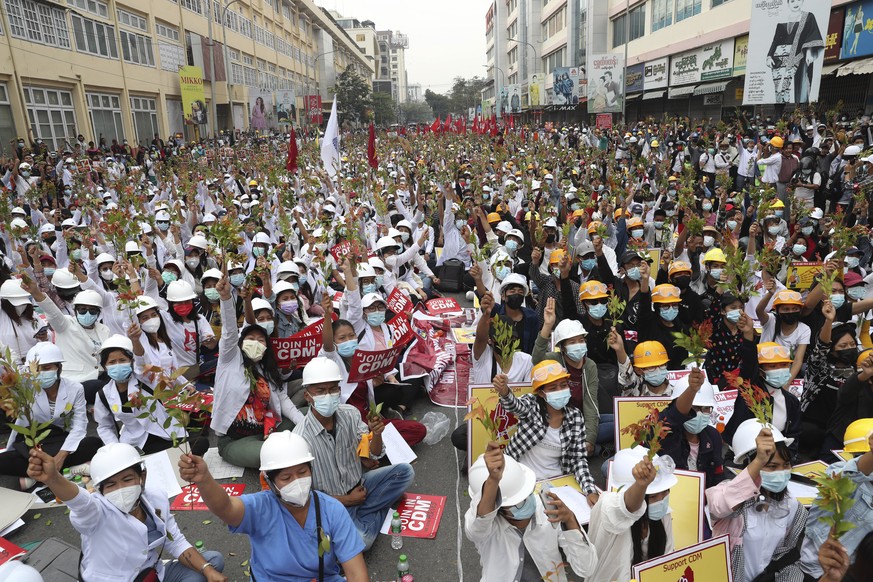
[532, 428]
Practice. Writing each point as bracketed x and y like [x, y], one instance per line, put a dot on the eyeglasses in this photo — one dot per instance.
[90, 310]
[774, 352]
[323, 391]
[703, 409]
[544, 373]
[374, 309]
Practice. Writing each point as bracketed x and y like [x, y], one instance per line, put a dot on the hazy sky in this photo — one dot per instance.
[446, 37]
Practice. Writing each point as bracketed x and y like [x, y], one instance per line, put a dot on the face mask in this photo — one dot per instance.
[258, 251]
[777, 378]
[775, 481]
[551, 238]
[655, 377]
[370, 288]
[192, 263]
[556, 272]
[575, 206]
[798, 249]
[163, 226]
[511, 246]
[847, 356]
[789, 318]
[107, 274]
[807, 230]
[76, 254]
[404, 236]
[838, 300]
[376, 318]
[669, 313]
[267, 326]
[559, 399]
[779, 213]
[296, 492]
[460, 224]
[86, 319]
[119, 372]
[707, 205]
[347, 349]
[326, 404]
[47, 379]
[634, 274]
[289, 307]
[682, 282]
[296, 287]
[697, 424]
[212, 294]
[588, 264]
[671, 192]
[20, 309]
[237, 279]
[168, 277]
[301, 278]
[658, 509]
[577, 351]
[501, 272]
[732, 224]
[380, 281]
[253, 349]
[852, 262]
[708, 241]
[528, 506]
[715, 273]
[126, 498]
[183, 309]
[773, 230]
[597, 311]
[659, 224]
[151, 325]
[514, 301]
[25, 174]
[733, 315]
[637, 233]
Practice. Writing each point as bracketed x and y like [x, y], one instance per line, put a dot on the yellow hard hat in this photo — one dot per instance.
[857, 435]
[253, 182]
[579, 212]
[635, 222]
[773, 353]
[672, 179]
[716, 255]
[592, 290]
[777, 142]
[493, 217]
[593, 226]
[666, 293]
[527, 215]
[546, 372]
[787, 297]
[557, 256]
[650, 354]
[678, 267]
[863, 356]
[617, 213]
[655, 143]
[777, 204]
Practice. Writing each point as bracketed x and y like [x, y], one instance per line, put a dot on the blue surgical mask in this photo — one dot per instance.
[49, 271]
[775, 481]
[525, 509]
[119, 372]
[655, 377]
[76, 254]
[370, 288]
[807, 230]
[852, 262]
[212, 294]
[163, 226]
[577, 351]
[168, 277]
[380, 280]
[637, 233]
[658, 509]
[258, 251]
[597, 311]
[267, 326]
[634, 274]
[732, 224]
[773, 230]
[460, 223]
[347, 349]
[715, 273]
[47, 379]
[376, 318]
[301, 278]
[857, 293]
[733, 315]
[798, 249]
[559, 399]
[502, 272]
[86, 319]
[669, 313]
[511, 246]
[589, 264]
[707, 205]
[237, 279]
[777, 378]
[659, 224]
[779, 213]
[326, 404]
[697, 424]
[838, 300]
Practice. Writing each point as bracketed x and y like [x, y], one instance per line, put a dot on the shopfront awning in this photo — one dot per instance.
[829, 69]
[859, 67]
[710, 88]
[653, 95]
[634, 97]
[680, 92]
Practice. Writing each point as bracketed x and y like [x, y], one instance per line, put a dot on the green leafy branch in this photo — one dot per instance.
[835, 498]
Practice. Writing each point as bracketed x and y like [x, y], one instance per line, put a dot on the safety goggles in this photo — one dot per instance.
[594, 289]
[89, 310]
[546, 372]
[772, 352]
[667, 293]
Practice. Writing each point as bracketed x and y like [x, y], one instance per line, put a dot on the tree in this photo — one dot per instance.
[441, 105]
[416, 112]
[466, 93]
[384, 109]
[353, 93]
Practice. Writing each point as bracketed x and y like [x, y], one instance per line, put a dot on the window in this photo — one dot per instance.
[687, 9]
[662, 14]
[236, 74]
[719, 2]
[555, 23]
[133, 20]
[192, 5]
[51, 115]
[94, 37]
[168, 31]
[38, 23]
[234, 54]
[512, 31]
[137, 49]
[105, 112]
[637, 26]
[513, 4]
[248, 60]
[513, 56]
[93, 6]
[251, 76]
[7, 125]
[360, 38]
[554, 60]
[173, 56]
[145, 118]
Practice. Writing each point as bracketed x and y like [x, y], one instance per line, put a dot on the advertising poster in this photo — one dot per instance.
[635, 78]
[483, 400]
[834, 40]
[741, 51]
[260, 109]
[630, 410]
[286, 106]
[786, 50]
[514, 92]
[655, 74]
[857, 37]
[801, 275]
[566, 86]
[717, 60]
[705, 561]
[605, 82]
[535, 91]
[313, 109]
[193, 98]
[685, 68]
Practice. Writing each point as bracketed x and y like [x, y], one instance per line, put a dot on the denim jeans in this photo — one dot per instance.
[174, 571]
[606, 429]
[384, 486]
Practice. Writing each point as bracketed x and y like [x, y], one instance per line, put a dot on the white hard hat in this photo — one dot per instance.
[16, 571]
[403, 223]
[516, 485]
[64, 279]
[535, 185]
[46, 228]
[69, 161]
[568, 328]
[551, 222]
[208, 218]
[621, 472]
[258, 304]
[516, 233]
[393, 233]
[112, 459]
[371, 298]
[14, 293]
[386, 242]
[376, 263]
[132, 246]
[23, 166]
[284, 449]
[852, 150]
[514, 279]
[104, 258]
[18, 210]
[180, 290]
[504, 226]
[117, 342]
[366, 270]
[69, 222]
[88, 297]
[497, 257]
[198, 242]
[816, 214]
[145, 227]
[45, 353]
[261, 238]
[320, 370]
[279, 287]
[210, 274]
[18, 223]
[162, 216]
[287, 267]
[548, 177]
[145, 303]
[744, 438]
[704, 397]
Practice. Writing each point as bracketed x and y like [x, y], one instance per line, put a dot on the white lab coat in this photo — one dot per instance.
[70, 414]
[80, 346]
[134, 430]
[18, 338]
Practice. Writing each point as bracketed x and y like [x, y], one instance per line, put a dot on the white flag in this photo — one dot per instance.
[330, 146]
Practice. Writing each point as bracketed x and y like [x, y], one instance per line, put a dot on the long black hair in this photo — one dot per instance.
[863, 565]
[162, 333]
[267, 368]
[657, 538]
[10, 311]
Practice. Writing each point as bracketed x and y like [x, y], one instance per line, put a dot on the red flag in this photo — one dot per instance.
[493, 126]
[291, 164]
[476, 124]
[461, 125]
[447, 126]
[371, 148]
[512, 122]
[435, 126]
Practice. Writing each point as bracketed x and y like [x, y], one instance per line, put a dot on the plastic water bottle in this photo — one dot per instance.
[396, 527]
[402, 567]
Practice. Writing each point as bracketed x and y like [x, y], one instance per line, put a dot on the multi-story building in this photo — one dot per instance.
[110, 68]
[364, 35]
[413, 92]
[394, 60]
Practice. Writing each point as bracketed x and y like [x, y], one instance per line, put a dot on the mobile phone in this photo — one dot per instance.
[547, 500]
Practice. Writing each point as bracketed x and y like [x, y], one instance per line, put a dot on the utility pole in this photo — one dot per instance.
[212, 73]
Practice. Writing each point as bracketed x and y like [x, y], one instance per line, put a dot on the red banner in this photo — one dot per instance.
[604, 121]
[341, 250]
[398, 302]
[190, 500]
[401, 331]
[443, 305]
[302, 346]
[420, 515]
[369, 365]
[313, 107]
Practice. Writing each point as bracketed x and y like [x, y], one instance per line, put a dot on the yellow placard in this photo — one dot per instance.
[707, 561]
[486, 396]
[193, 97]
[464, 335]
[801, 275]
[843, 455]
[562, 481]
[811, 469]
[655, 256]
[630, 410]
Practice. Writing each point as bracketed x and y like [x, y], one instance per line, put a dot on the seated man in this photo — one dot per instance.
[333, 431]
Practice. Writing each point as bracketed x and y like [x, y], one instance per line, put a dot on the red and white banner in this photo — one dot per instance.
[419, 515]
[340, 250]
[398, 302]
[442, 306]
[400, 330]
[190, 500]
[368, 365]
[313, 108]
[302, 346]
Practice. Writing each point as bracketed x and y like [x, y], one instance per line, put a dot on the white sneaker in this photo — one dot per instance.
[83, 469]
[470, 296]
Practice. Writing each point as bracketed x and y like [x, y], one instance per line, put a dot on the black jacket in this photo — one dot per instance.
[709, 458]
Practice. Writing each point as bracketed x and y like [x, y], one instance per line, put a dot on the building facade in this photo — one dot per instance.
[394, 45]
[110, 68]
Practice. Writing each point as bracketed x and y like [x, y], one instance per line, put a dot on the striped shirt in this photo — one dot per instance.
[336, 469]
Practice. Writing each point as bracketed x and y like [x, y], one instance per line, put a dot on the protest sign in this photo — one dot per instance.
[398, 302]
[801, 275]
[368, 365]
[339, 251]
[419, 515]
[723, 409]
[630, 410]
[190, 499]
[442, 306]
[707, 561]
[297, 349]
[485, 395]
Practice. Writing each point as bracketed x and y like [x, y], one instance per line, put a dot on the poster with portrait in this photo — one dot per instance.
[857, 37]
[535, 91]
[261, 116]
[514, 94]
[786, 51]
[605, 81]
[193, 97]
[286, 106]
[313, 109]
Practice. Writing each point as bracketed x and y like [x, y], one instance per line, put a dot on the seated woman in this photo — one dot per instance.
[764, 521]
[60, 401]
[111, 521]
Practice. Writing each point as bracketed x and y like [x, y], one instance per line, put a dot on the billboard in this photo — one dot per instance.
[713, 61]
[741, 50]
[786, 50]
[513, 93]
[261, 115]
[605, 93]
[193, 98]
[313, 109]
[635, 78]
[286, 105]
[655, 74]
[566, 85]
[536, 93]
[857, 39]
[834, 40]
